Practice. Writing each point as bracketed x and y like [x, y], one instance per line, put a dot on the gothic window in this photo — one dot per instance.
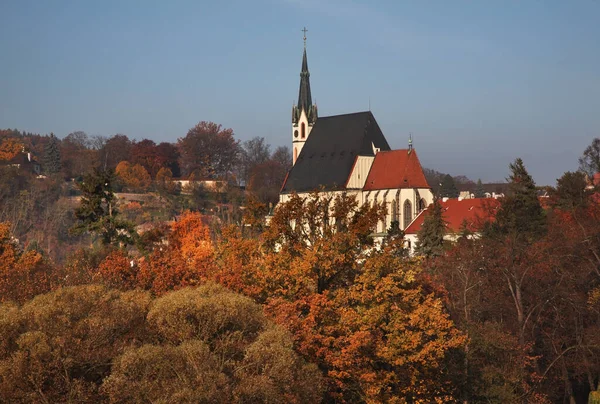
[407, 213]
[303, 130]
[422, 204]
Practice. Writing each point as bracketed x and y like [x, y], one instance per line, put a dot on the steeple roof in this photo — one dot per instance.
[304, 96]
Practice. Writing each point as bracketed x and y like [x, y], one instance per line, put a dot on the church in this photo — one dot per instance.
[349, 154]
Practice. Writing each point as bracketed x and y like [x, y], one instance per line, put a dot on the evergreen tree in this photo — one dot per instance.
[52, 156]
[479, 191]
[448, 188]
[431, 233]
[97, 212]
[520, 213]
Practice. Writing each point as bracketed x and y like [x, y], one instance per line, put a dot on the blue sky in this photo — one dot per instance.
[477, 83]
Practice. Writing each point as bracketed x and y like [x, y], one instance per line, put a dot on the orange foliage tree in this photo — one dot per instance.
[9, 148]
[184, 259]
[22, 274]
[134, 177]
[375, 329]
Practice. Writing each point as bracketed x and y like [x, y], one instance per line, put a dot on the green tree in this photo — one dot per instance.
[479, 191]
[431, 234]
[51, 160]
[97, 212]
[571, 191]
[520, 215]
[448, 188]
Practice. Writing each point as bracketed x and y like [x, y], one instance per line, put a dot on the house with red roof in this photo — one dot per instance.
[349, 154]
[459, 215]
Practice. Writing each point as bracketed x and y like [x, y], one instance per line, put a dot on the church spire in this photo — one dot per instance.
[304, 94]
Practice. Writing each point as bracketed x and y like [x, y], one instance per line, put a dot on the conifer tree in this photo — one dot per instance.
[97, 212]
[52, 156]
[431, 233]
[479, 191]
[448, 188]
[520, 213]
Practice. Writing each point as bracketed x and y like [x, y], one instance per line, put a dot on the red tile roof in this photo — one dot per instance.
[474, 211]
[396, 169]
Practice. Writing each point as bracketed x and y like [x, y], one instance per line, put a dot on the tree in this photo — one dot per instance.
[479, 190]
[208, 150]
[448, 188]
[23, 274]
[97, 212]
[10, 147]
[52, 159]
[58, 347]
[116, 149]
[571, 191]
[77, 158]
[253, 152]
[589, 162]
[265, 181]
[520, 214]
[217, 346]
[134, 177]
[431, 233]
[283, 156]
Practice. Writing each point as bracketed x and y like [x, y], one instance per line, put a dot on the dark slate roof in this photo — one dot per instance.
[328, 155]
[304, 96]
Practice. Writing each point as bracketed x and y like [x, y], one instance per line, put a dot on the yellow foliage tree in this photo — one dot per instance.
[134, 177]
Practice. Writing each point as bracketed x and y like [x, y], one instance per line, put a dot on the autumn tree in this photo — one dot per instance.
[23, 274]
[97, 212]
[59, 346]
[208, 150]
[9, 147]
[216, 346]
[77, 157]
[116, 149]
[135, 177]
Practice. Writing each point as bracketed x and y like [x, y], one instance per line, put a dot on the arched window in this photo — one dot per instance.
[422, 204]
[407, 213]
[303, 130]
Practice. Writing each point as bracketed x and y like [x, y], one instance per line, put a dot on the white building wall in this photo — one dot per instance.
[298, 141]
[360, 171]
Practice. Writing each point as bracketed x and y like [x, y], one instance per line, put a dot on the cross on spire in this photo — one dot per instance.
[305, 31]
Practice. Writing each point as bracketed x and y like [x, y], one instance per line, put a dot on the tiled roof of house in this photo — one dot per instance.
[396, 169]
[328, 155]
[474, 211]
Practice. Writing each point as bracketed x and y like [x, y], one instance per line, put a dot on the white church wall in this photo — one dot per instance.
[297, 139]
[360, 171]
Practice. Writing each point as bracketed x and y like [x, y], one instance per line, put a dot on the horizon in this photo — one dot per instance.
[476, 85]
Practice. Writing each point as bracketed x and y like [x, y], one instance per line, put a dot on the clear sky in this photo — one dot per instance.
[478, 83]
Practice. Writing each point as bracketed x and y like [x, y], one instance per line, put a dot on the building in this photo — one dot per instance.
[349, 153]
[459, 215]
[24, 161]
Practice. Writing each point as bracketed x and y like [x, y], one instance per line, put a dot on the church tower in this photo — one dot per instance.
[304, 115]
